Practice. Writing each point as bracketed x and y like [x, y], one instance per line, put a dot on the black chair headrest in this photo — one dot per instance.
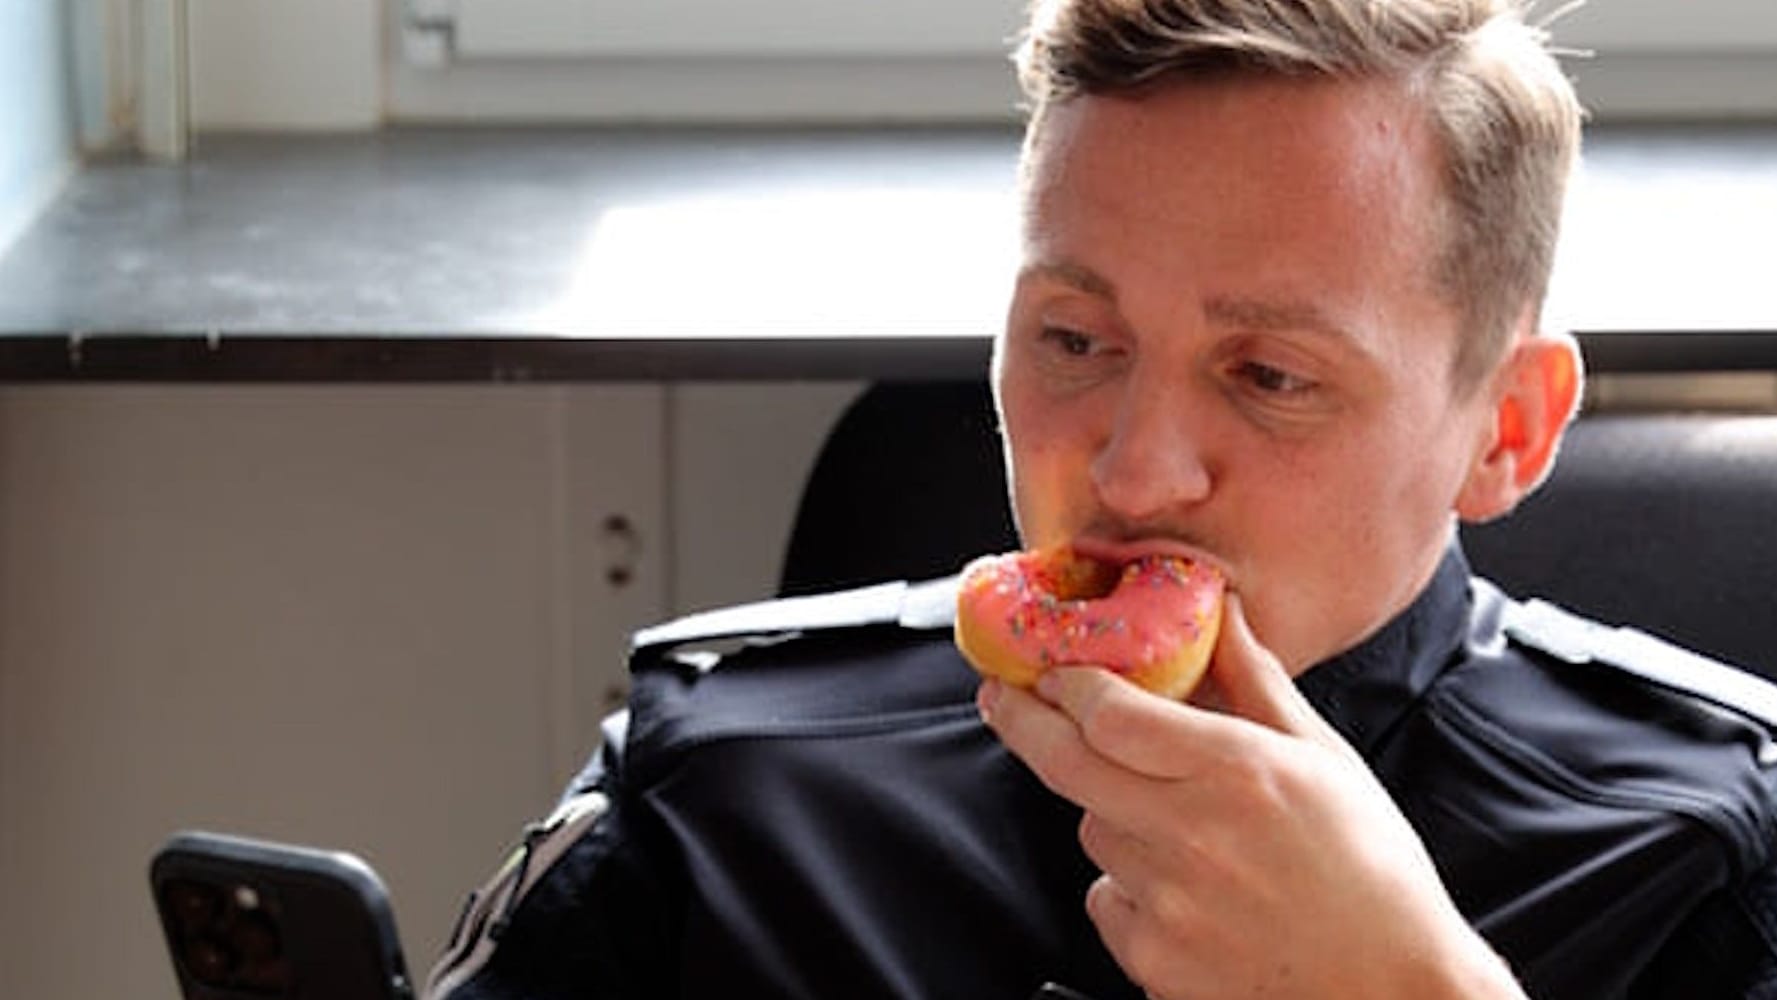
[1666, 522]
[909, 485]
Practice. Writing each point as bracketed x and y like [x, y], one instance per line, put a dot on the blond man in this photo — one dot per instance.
[1279, 309]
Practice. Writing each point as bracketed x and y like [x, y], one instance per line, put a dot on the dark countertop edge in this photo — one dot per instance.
[26, 358]
[492, 359]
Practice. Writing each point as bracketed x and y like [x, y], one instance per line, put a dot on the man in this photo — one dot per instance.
[1278, 310]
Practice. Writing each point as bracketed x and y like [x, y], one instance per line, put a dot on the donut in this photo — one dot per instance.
[1152, 620]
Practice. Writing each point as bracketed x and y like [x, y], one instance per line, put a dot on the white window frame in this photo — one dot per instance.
[931, 60]
[130, 69]
[924, 59]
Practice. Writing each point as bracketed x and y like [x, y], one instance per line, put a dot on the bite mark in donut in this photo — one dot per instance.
[1153, 620]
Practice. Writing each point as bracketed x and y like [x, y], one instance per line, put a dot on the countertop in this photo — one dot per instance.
[580, 254]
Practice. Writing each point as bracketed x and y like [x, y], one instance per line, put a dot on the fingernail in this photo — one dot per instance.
[986, 697]
[1048, 685]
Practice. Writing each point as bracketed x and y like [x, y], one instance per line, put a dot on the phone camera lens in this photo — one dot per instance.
[255, 937]
[210, 961]
[194, 904]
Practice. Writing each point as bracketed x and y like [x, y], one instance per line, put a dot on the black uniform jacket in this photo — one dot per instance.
[814, 810]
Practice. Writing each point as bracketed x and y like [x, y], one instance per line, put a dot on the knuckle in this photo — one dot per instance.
[1268, 790]
[1089, 831]
[1170, 911]
[1144, 954]
[1136, 931]
[1098, 725]
[1271, 793]
[1107, 722]
[1096, 839]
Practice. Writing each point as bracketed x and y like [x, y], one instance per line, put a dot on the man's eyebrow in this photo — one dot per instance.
[1265, 315]
[1243, 313]
[1074, 275]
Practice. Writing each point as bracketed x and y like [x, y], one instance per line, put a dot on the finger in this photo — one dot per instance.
[1148, 734]
[1123, 855]
[1052, 746]
[1167, 879]
[1252, 683]
[1147, 957]
[1112, 909]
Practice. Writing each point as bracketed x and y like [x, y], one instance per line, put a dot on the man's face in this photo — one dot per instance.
[1226, 337]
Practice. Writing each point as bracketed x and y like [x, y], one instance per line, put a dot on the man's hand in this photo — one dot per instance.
[1246, 850]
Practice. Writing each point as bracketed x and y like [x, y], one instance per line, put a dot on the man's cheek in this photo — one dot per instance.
[1043, 505]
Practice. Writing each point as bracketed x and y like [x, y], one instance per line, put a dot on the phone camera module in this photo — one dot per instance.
[226, 939]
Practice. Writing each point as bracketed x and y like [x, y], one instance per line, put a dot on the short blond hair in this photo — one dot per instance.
[1506, 116]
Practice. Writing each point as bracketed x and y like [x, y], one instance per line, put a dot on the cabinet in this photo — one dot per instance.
[378, 618]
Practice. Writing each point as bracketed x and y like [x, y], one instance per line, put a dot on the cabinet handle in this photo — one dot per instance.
[622, 548]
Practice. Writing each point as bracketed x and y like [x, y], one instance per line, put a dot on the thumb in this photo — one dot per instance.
[1252, 682]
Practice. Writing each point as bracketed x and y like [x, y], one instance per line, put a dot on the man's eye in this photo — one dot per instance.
[1274, 381]
[1070, 342]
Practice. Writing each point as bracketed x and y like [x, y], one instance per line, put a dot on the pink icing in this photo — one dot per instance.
[1159, 605]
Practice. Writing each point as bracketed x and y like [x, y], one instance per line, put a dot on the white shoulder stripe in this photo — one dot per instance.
[1569, 637]
[927, 605]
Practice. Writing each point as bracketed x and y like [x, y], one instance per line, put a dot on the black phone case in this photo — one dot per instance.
[255, 920]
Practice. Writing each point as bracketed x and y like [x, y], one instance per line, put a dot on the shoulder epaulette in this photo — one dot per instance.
[1573, 639]
[927, 605]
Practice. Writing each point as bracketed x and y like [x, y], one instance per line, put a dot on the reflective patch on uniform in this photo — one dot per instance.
[489, 909]
[705, 656]
[925, 606]
[1555, 631]
[879, 604]
[1573, 639]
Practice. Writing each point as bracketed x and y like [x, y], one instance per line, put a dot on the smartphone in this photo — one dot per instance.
[252, 919]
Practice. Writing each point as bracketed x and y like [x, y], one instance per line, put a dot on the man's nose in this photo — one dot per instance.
[1151, 461]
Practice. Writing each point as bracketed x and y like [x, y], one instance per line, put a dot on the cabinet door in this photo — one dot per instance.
[373, 618]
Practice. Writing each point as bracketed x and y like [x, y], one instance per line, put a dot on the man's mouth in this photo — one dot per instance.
[1120, 551]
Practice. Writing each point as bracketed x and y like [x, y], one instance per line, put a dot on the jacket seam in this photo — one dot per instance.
[1706, 811]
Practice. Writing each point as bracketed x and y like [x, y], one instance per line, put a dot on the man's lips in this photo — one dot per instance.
[1127, 551]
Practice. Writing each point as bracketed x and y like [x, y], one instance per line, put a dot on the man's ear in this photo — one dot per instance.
[1533, 394]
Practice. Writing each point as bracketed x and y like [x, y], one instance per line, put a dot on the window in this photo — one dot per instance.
[532, 59]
